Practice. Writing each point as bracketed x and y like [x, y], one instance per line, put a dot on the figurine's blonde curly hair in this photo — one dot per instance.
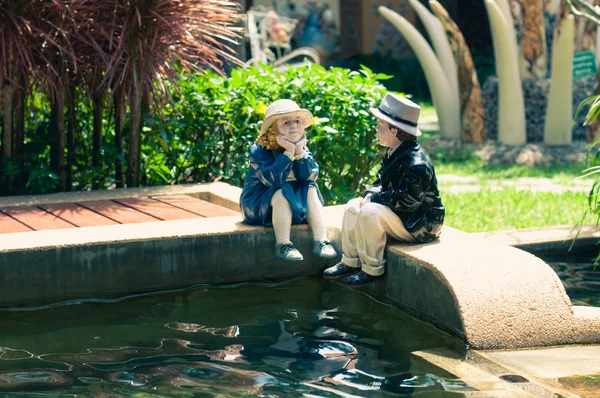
[268, 140]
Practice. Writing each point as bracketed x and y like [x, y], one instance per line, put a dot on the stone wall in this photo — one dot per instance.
[535, 93]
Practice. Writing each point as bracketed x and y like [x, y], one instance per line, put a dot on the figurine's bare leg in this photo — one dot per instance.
[281, 217]
[350, 254]
[374, 223]
[314, 215]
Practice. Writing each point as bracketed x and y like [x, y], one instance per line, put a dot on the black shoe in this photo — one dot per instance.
[339, 270]
[361, 278]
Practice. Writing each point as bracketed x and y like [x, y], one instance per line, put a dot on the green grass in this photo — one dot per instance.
[505, 209]
[560, 174]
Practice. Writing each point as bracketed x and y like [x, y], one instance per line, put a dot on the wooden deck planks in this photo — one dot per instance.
[197, 206]
[36, 219]
[75, 214]
[107, 212]
[158, 209]
[9, 225]
[117, 212]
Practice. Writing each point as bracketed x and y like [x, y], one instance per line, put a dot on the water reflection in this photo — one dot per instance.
[22, 381]
[579, 275]
[303, 338]
[231, 331]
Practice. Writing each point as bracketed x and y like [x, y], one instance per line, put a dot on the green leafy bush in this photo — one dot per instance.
[214, 120]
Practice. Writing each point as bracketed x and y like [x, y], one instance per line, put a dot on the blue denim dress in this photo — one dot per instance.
[270, 171]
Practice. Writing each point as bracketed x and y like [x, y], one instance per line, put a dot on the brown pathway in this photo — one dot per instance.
[107, 212]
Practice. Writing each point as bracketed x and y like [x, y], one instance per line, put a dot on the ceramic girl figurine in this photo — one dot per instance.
[280, 188]
[404, 202]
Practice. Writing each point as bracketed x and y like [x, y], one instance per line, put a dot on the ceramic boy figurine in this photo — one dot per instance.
[404, 202]
[280, 188]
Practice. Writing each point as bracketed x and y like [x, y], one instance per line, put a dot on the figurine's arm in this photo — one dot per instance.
[410, 194]
[376, 186]
[305, 166]
[271, 172]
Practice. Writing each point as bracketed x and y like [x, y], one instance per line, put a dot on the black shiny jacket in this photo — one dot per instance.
[407, 184]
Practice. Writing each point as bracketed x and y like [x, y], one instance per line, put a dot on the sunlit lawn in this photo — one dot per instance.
[496, 210]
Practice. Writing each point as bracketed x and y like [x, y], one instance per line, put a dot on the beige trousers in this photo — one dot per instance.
[282, 216]
[364, 235]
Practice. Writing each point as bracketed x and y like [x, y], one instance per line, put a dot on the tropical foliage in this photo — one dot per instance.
[593, 158]
[589, 11]
[57, 53]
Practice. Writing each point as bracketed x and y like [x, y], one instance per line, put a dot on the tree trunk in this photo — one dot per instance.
[98, 103]
[71, 135]
[471, 107]
[19, 133]
[585, 33]
[8, 93]
[133, 153]
[119, 113]
[528, 17]
[58, 128]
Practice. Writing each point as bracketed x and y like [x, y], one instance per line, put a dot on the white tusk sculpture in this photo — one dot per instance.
[445, 103]
[437, 35]
[508, 17]
[559, 114]
[511, 107]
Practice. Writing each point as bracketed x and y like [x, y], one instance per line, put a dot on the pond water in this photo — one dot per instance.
[305, 337]
[578, 274]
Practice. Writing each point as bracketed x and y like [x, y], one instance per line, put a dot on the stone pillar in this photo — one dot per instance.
[559, 113]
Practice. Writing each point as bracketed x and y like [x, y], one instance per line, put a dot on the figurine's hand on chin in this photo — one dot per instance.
[286, 144]
[300, 145]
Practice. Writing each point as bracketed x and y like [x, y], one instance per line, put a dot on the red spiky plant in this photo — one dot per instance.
[34, 48]
[27, 28]
[151, 37]
[128, 48]
[60, 59]
[97, 27]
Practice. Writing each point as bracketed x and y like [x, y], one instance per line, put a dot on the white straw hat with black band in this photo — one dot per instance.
[399, 112]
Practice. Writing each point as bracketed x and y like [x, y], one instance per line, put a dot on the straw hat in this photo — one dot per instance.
[285, 107]
[399, 112]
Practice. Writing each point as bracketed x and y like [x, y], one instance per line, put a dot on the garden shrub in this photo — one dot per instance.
[213, 121]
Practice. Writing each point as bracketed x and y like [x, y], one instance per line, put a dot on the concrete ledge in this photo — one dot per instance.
[48, 266]
[490, 294]
[523, 373]
[501, 297]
